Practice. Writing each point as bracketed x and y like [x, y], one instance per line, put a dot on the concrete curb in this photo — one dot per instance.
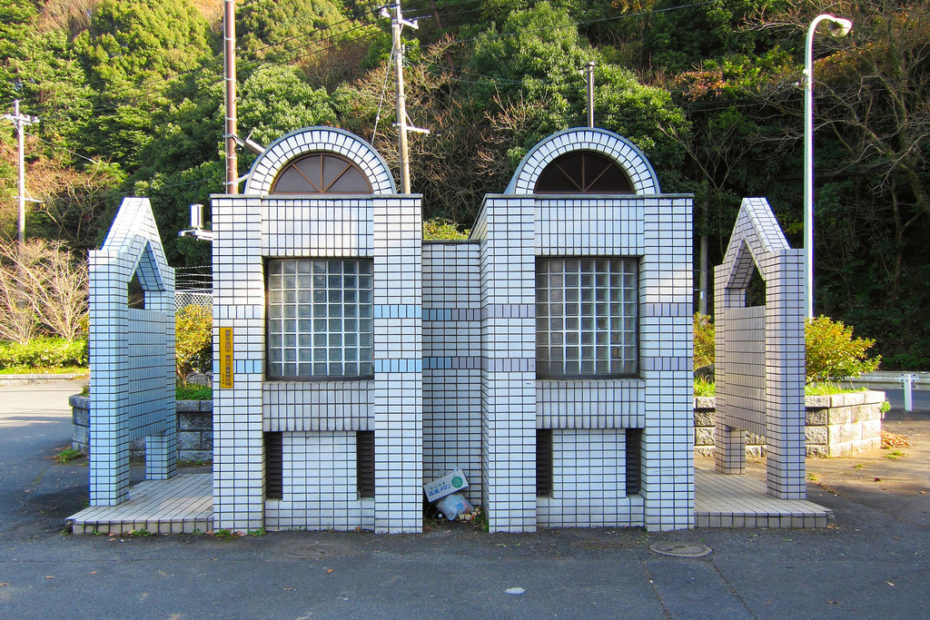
[43, 378]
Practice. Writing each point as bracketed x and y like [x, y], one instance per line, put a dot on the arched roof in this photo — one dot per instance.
[612, 145]
[319, 139]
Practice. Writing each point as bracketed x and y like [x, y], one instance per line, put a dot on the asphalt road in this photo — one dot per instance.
[873, 563]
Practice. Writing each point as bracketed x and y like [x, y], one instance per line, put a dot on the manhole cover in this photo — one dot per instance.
[680, 549]
[311, 551]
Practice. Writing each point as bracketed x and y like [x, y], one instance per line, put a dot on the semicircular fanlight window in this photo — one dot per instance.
[583, 172]
[321, 173]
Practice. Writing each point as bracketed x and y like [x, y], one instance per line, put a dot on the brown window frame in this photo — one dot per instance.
[582, 172]
[317, 183]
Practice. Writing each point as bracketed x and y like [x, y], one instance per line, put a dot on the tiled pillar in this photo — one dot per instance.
[508, 418]
[666, 359]
[238, 304]
[784, 376]
[109, 381]
[729, 442]
[398, 365]
[161, 450]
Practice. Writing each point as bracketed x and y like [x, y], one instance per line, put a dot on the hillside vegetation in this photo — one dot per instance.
[129, 94]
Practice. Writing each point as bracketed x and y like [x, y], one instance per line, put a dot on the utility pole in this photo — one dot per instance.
[229, 49]
[397, 24]
[20, 121]
[589, 78]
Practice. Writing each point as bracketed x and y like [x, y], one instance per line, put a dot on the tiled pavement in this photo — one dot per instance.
[180, 505]
[184, 504]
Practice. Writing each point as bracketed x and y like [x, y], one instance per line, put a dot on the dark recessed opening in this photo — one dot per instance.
[365, 463]
[274, 465]
[135, 294]
[634, 460]
[544, 462]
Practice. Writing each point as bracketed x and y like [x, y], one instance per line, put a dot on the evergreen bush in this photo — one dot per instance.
[703, 340]
[44, 352]
[193, 333]
[833, 353]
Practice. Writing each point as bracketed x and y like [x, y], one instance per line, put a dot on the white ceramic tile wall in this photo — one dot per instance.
[589, 482]
[398, 362]
[757, 241]
[455, 378]
[319, 485]
[320, 415]
[131, 355]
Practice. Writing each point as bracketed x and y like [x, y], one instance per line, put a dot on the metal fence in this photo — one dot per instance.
[193, 286]
[193, 297]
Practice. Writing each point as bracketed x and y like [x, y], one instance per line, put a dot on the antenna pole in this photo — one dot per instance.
[589, 78]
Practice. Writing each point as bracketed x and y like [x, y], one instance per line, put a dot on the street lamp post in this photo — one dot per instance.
[843, 26]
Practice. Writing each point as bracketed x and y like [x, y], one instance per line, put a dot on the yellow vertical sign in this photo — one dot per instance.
[226, 357]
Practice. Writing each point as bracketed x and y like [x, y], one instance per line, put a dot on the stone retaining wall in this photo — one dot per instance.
[837, 425]
[195, 429]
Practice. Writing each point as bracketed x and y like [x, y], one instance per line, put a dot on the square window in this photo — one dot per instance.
[301, 289]
[583, 306]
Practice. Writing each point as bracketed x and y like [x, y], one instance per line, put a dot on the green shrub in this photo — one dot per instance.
[442, 230]
[193, 333]
[192, 392]
[703, 340]
[44, 352]
[833, 353]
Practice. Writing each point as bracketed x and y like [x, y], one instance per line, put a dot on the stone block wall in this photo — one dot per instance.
[837, 425]
[194, 429]
[844, 424]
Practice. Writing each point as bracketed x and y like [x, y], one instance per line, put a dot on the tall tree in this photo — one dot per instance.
[133, 52]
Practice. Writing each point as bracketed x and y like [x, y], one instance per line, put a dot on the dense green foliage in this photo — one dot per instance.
[704, 344]
[833, 353]
[44, 352]
[193, 340]
[130, 97]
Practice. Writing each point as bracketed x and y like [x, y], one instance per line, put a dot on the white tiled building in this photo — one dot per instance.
[549, 356]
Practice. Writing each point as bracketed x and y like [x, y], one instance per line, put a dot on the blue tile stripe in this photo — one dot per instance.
[452, 314]
[452, 363]
[508, 311]
[509, 364]
[247, 366]
[397, 311]
[666, 309]
[398, 365]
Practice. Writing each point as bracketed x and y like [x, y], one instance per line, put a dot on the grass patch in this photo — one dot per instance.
[67, 455]
[828, 388]
[703, 387]
[193, 392]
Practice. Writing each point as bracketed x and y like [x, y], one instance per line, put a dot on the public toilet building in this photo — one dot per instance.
[548, 356]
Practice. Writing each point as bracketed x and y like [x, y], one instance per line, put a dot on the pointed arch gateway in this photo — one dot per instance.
[760, 352]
